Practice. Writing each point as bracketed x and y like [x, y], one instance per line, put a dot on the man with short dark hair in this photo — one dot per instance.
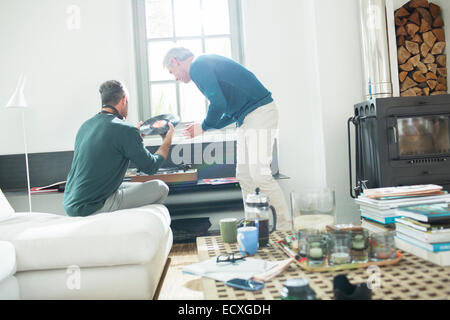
[104, 146]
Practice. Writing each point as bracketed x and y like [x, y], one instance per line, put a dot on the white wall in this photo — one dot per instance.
[308, 53]
[279, 49]
[64, 68]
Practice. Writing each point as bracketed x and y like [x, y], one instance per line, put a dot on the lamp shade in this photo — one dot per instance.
[17, 100]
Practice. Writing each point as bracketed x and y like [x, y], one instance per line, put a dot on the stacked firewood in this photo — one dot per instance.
[421, 49]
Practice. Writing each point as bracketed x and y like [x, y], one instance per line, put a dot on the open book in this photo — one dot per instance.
[258, 269]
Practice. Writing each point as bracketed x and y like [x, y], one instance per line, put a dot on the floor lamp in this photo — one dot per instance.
[17, 100]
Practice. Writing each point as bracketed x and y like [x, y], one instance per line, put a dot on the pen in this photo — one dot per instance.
[291, 252]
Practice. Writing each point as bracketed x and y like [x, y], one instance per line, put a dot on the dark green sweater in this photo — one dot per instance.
[104, 146]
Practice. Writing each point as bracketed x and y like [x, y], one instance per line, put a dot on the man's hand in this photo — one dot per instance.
[139, 125]
[163, 150]
[169, 134]
[193, 130]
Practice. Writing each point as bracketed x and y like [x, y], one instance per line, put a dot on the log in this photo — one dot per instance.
[402, 76]
[442, 72]
[412, 47]
[442, 80]
[429, 38]
[438, 22]
[425, 14]
[408, 93]
[440, 34]
[424, 49]
[417, 38]
[423, 85]
[403, 55]
[431, 76]
[435, 10]
[407, 66]
[441, 87]
[422, 67]
[418, 4]
[438, 92]
[408, 83]
[424, 26]
[401, 31]
[432, 67]
[426, 91]
[429, 59]
[400, 41]
[419, 77]
[441, 60]
[418, 91]
[412, 29]
[414, 18]
[400, 21]
[432, 84]
[414, 60]
[438, 47]
[401, 12]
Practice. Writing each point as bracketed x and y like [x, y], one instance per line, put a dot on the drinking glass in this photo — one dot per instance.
[312, 209]
[360, 246]
[382, 246]
[339, 243]
[316, 247]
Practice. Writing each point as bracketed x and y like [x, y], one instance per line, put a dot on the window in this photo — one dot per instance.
[203, 26]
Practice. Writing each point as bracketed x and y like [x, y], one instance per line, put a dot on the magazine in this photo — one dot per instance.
[415, 190]
[54, 187]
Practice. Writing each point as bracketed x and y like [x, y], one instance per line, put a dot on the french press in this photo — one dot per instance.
[257, 208]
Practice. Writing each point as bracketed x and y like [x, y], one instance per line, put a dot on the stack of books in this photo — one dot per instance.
[424, 230]
[379, 207]
[419, 214]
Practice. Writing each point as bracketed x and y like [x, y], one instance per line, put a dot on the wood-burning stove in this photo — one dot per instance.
[401, 141]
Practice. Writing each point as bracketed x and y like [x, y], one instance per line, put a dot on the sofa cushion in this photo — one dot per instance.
[48, 241]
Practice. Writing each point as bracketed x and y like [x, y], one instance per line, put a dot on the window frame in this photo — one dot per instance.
[141, 42]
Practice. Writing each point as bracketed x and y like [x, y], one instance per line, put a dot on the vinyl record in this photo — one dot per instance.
[159, 124]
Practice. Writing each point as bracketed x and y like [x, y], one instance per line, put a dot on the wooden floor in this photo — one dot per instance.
[179, 286]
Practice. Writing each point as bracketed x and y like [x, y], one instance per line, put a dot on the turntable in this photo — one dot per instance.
[182, 174]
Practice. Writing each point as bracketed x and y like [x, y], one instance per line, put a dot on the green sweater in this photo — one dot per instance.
[104, 146]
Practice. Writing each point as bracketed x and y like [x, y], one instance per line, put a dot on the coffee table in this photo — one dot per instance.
[411, 278]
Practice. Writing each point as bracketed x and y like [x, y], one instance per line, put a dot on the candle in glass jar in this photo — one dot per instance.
[358, 242]
[315, 253]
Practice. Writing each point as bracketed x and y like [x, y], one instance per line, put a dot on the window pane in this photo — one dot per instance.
[164, 99]
[194, 45]
[192, 103]
[159, 18]
[216, 17]
[221, 46]
[188, 18]
[156, 52]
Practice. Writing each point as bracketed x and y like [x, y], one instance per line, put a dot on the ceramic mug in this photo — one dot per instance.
[228, 230]
[247, 238]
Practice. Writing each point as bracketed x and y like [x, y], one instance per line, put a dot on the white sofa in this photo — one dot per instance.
[117, 255]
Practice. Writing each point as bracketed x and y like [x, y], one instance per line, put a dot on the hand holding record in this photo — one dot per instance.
[159, 124]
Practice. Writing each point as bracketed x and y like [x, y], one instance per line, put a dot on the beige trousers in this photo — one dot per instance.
[255, 140]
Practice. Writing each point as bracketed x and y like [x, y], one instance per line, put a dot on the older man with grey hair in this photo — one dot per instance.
[104, 147]
[235, 96]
